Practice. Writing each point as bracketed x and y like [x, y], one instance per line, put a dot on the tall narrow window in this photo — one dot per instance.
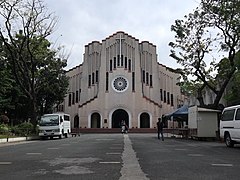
[118, 60]
[73, 98]
[125, 65]
[77, 96]
[69, 99]
[151, 83]
[133, 81]
[129, 65]
[147, 78]
[107, 81]
[93, 80]
[171, 99]
[110, 65]
[96, 76]
[121, 60]
[89, 80]
[161, 94]
[80, 94]
[143, 76]
[164, 96]
[168, 97]
[114, 63]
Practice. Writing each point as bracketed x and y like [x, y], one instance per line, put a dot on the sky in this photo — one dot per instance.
[83, 21]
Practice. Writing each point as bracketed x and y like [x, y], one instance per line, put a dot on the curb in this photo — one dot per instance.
[17, 139]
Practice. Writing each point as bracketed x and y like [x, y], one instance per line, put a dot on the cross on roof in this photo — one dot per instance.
[120, 46]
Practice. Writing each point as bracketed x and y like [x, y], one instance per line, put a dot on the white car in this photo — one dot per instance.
[230, 125]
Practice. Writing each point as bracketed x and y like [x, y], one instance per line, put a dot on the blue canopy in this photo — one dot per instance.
[182, 111]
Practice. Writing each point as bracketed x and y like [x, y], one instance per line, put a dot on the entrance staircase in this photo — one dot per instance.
[113, 130]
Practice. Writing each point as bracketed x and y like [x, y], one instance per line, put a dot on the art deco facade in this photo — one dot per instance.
[120, 79]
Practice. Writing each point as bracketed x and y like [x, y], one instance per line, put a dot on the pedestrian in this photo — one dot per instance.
[123, 126]
[160, 129]
[126, 128]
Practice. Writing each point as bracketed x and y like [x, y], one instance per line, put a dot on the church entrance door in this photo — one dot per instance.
[118, 116]
[95, 120]
[144, 120]
[76, 121]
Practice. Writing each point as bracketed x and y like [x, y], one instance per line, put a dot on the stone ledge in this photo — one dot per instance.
[16, 139]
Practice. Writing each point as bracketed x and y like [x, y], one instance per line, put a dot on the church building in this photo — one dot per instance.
[120, 79]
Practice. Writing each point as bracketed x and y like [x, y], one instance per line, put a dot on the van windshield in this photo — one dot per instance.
[49, 120]
[228, 115]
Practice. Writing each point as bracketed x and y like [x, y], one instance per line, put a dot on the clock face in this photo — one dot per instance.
[120, 84]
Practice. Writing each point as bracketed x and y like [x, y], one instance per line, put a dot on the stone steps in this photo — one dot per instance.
[113, 130]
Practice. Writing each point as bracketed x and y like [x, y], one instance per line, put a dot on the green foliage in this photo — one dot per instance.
[189, 87]
[32, 71]
[211, 28]
[6, 80]
[4, 119]
[233, 95]
[52, 83]
[23, 129]
[4, 129]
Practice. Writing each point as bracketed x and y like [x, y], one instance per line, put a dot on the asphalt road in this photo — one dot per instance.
[118, 157]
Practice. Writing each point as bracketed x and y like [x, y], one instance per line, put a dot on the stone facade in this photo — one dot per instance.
[121, 79]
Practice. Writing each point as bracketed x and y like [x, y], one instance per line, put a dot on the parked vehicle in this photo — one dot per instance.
[52, 125]
[230, 125]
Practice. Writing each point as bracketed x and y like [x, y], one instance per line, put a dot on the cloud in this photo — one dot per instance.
[81, 22]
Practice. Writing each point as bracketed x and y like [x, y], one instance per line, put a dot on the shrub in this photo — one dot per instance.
[4, 129]
[23, 129]
[4, 119]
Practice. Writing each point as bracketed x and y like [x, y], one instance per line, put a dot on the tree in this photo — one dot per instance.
[211, 28]
[6, 81]
[27, 24]
[52, 85]
[232, 95]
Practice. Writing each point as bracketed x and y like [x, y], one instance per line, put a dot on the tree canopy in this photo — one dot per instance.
[34, 67]
[232, 95]
[6, 80]
[213, 28]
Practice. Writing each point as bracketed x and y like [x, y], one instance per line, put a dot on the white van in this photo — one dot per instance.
[230, 125]
[57, 124]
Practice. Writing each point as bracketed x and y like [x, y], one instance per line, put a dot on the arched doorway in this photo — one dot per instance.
[76, 122]
[118, 116]
[144, 120]
[95, 120]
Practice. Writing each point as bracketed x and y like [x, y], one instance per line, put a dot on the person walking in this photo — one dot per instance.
[124, 127]
[160, 129]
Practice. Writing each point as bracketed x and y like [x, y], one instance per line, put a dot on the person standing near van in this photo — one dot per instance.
[160, 129]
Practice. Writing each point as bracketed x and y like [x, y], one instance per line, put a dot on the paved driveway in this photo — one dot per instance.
[117, 156]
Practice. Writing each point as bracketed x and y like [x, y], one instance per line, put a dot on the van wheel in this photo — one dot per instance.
[228, 140]
[43, 138]
[61, 135]
[66, 135]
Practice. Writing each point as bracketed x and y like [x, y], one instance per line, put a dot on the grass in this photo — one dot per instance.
[3, 136]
